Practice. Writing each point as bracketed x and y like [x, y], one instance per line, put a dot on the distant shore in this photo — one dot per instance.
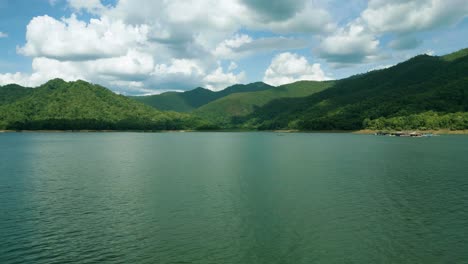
[359, 132]
[435, 132]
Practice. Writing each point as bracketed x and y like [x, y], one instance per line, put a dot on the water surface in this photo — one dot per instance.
[232, 198]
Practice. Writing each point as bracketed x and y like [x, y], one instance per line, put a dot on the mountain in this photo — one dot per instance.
[223, 110]
[12, 92]
[80, 105]
[190, 100]
[425, 92]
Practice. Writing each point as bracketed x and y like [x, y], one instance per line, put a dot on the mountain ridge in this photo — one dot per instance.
[424, 92]
[189, 100]
[81, 105]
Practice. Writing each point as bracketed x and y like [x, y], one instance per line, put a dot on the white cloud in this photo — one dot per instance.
[179, 66]
[18, 78]
[289, 67]
[3, 35]
[410, 16]
[243, 45]
[226, 49]
[72, 39]
[146, 45]
[44, 69]
[218, 80]
[352, 44]
[358, 41]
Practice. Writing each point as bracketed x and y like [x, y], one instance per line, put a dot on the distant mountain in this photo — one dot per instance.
[12, 92]
[223, 110]
[81, 105]
[190, 100]
[424, 92]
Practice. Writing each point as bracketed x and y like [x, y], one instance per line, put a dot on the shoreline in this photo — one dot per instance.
[431, 131]
[357, 132]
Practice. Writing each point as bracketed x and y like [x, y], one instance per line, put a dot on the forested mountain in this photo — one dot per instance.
[425, 92]
[190, 100]
[81, 105]
[12, 92]
[225, 109]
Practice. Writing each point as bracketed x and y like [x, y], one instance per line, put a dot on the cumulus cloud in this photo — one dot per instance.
[44, 69]
[218, 80]
[72, 39]
[358, 41]
[243, 45]
[289, 67]
[410, 16]
[3, 35]
[18, 78]
[145, 45]
[352, 44]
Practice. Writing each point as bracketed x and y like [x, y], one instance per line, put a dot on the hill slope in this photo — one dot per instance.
[81, 105]
[424, 92]
[223, 110]
[12, 92]
[190, 100]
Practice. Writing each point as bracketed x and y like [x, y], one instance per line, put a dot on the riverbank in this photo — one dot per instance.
[435, 132]
[359, 132]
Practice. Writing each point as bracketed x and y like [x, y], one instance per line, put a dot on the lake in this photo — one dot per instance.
[232, 198]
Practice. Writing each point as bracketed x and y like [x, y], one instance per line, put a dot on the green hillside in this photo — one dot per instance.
[424, 92]
[223, 110]
[456, 55]
[12, 92]
[81, 105]
[190, 100]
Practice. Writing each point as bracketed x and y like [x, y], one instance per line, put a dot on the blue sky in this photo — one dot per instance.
[146, 47]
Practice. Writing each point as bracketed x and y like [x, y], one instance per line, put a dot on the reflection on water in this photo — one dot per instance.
[232, 198]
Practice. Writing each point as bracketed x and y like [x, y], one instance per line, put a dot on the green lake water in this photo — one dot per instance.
[232, 198]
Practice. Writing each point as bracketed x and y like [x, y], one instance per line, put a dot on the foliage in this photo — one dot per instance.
[229, 110]
[190, 100]
[12, 92]
[424, 92]
[419, 85]
[423, 121]
[81, 105]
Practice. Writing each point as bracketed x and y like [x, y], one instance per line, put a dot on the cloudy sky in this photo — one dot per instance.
[148, 46]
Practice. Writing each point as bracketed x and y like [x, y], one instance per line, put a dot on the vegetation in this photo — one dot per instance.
[80, 105]
[418, 87]
[425, 92]
[226, 110]
[12, 92]
[190, 100]
[424, 121]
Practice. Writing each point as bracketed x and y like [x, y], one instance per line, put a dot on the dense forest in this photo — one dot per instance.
[60, 105]
[193, 99]
[425, 92]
